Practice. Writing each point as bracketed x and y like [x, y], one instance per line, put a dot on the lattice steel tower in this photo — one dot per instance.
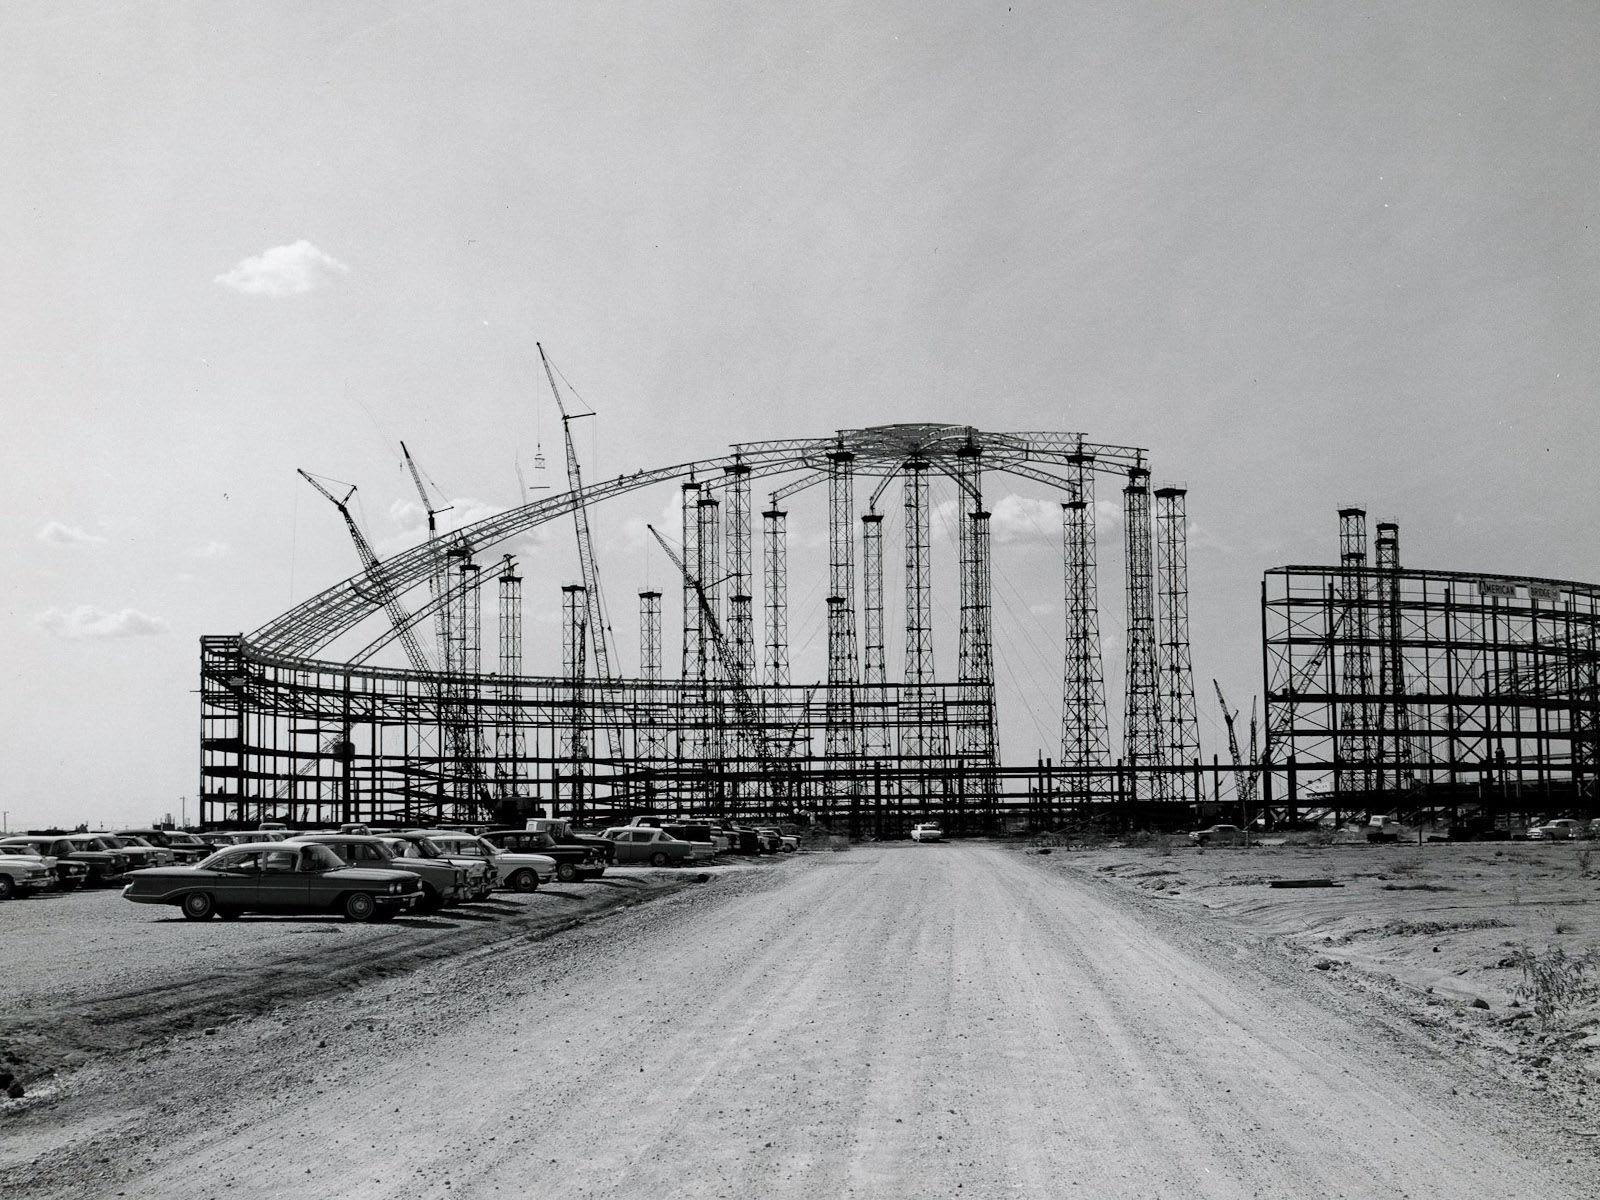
[508, 744]
[841, 742]
[875, 727]
[975, 670]
[1355, 749]
[710, 566]
[574, 651]
[1085, 738]
[652, 736]
[916, 740]
[777, 570]
[1141, 724]
[1180, 732]
[1394, 715]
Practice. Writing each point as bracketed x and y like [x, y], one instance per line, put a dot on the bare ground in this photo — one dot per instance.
[896, 1021]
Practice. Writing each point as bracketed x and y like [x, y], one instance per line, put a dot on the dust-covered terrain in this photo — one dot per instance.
[896, 1021]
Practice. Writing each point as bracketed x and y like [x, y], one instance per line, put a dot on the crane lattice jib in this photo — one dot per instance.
[321, 619]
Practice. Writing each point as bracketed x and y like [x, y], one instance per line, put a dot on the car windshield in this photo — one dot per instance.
[425, 847]
[318, 858]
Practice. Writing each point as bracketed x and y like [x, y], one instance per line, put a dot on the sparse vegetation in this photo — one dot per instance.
[1555, 981]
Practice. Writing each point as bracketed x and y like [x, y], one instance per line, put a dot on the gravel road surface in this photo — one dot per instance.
[897, 1021]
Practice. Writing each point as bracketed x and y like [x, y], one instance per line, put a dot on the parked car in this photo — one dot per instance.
[927, 832]
[702, 844]
[22, 875]
[564, 834]
[442, 881]
[657, 847]
[741, 840]
[140, 852]
[70, 874]
[96, 844]
[574, 860]
[185, 847]
[1226, 835]
[787, 843]
[517, 871]
[481, 872]
[1561, 829]
[101, 866]
[277, 878]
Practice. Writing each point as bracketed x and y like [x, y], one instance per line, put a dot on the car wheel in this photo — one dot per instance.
[7, 888]
[658, 859]
[229, 914]
[524, 881]
[566, 872]
[359, 906]
[199, 906]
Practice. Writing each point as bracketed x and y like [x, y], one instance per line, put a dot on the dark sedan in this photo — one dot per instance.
[276, 878]
[104, 864]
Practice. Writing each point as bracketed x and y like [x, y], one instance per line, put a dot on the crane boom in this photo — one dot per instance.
[398, 616]
[594, 603]
[1245, 787]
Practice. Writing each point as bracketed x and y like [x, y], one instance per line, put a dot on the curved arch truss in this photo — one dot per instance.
[297, 726]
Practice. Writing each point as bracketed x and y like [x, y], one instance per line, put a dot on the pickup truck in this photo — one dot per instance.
[574, 860]
[561, 830]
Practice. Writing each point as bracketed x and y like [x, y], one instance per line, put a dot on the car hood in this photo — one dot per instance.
[518, 858]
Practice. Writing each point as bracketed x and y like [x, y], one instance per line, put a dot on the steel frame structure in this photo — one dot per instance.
[289, 725]
[1487, 689]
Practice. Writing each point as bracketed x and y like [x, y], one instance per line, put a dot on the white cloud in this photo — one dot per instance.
[284, 271]
[87, 621]
[57, 534]
[211, 550]
[1025, 519]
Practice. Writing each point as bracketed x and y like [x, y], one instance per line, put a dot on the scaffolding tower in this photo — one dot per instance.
[1395, 750]
[875, 728]
[574, 651]
[1085, 738]
[508, 746]
[775, 522]
[916, 741]
[841, 740]
[653, 734]
[1141, 725]
[1180, 732]
[1355, 739]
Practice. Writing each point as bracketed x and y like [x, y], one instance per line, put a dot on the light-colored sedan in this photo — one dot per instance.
[518, 871]
[654, 846]
[480, 873]
[927, 832]
[1558, 830]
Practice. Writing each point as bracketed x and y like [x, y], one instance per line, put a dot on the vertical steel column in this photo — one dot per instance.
[1355, 725]
[709, 534]
[975, 739]
[1394, 715]
[508, 746]
[1180, 734]
[841, 742]
[652, 737]
[1141, 725]
[875, 728]
[916, 737]
[741, 624]
[691, 722]
[978, 730]
[777, 564]
[1085, 738]
[574, 652]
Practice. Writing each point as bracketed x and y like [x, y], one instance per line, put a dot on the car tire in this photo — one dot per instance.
[360, 906]
[199, 906]
[524, 880]
[566, 872]
[7, 888]
[658, 859]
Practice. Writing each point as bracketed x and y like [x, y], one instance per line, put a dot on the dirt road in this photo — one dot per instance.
[900, 1022]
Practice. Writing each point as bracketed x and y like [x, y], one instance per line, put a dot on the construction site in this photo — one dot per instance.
[399, 695]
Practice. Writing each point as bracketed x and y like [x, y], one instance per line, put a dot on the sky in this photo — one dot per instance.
[1309, 255]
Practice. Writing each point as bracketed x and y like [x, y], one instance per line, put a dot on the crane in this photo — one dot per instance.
[589, 570]
[1247, 786]
[398, 616]
[734, 669]
[438, 581]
